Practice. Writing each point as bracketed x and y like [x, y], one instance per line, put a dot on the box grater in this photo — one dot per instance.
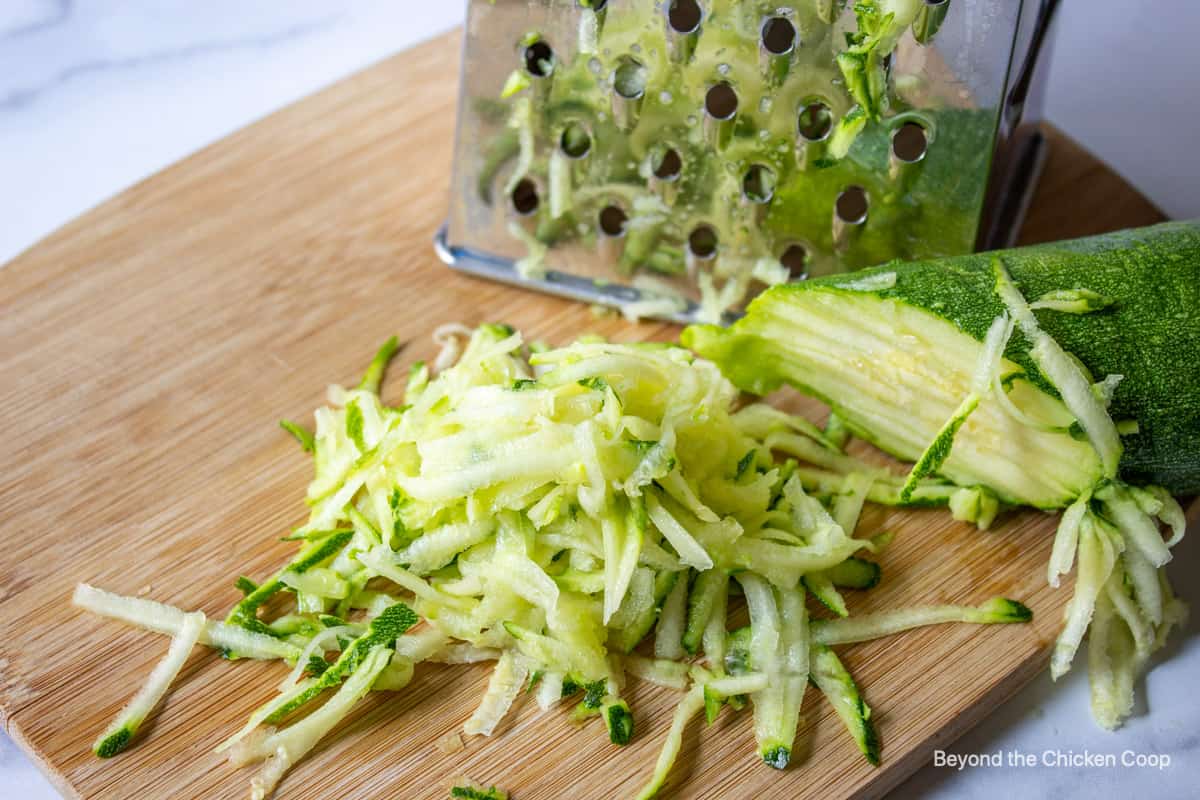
[673, 157]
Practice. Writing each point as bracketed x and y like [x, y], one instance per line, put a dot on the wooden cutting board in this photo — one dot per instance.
[147, 350]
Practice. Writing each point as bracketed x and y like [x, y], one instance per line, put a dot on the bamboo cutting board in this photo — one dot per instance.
[148, 349]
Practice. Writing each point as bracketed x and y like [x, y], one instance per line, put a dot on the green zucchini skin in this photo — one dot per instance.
[1150, 335]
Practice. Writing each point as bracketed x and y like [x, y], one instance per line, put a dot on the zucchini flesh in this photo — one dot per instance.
[663, 672]
[701, 603]
[939, 449]
[822, 587]
[774, 718]
[505, 683]
[626, 637]
[1065, 375]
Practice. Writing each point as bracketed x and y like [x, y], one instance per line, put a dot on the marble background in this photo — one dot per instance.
[97, 94]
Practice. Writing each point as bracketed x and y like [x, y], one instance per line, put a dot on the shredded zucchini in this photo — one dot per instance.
[668, 638]
[691, 705]
[547, 511]
[120, 732]
[167, 619]
[282, 749]
[885, 623]
[506, 683]
[1123, 600]
[1064, 372]
[831, 677]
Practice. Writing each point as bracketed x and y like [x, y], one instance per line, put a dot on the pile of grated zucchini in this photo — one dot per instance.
[551, 510]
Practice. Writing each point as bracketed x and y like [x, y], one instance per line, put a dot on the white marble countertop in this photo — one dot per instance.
[95, 95]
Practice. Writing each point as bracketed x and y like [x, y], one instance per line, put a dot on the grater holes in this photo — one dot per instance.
[539, 58]
[702, 242]
[758, 184]
[851, 205]
[612, 221]
[524, 197]
[667, 165]
[815, 121]
[721, 101]
[910, 142]
[795, 260]
[575, 140]
[684, 15]
[778, 35]
[629, 78]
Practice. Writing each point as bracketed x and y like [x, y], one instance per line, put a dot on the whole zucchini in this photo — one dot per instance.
[893, 357]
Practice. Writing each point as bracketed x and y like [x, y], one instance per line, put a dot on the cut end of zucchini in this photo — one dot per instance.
[619, 721]
[1003, 610]
[870, 743]
[896, 374]
[776, 756]
[113, 743]
[593, 694]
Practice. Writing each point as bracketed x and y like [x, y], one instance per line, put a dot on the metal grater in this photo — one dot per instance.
[675, 156]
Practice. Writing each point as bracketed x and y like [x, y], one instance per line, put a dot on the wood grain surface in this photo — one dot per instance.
[148, 349]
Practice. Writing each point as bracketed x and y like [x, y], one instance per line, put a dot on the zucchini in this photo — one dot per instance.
[894, 360]
[1078, 400]
[120, 732]
[659, 671]
[382, 632]
[862, 627]
[280, 749]
[701, 603]
[822, 587]
[831, 677]
[471, 792]
[668, 637]
[618, 720]
[854, 573]
[244, 614]
[625, 638]
[691, 705]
